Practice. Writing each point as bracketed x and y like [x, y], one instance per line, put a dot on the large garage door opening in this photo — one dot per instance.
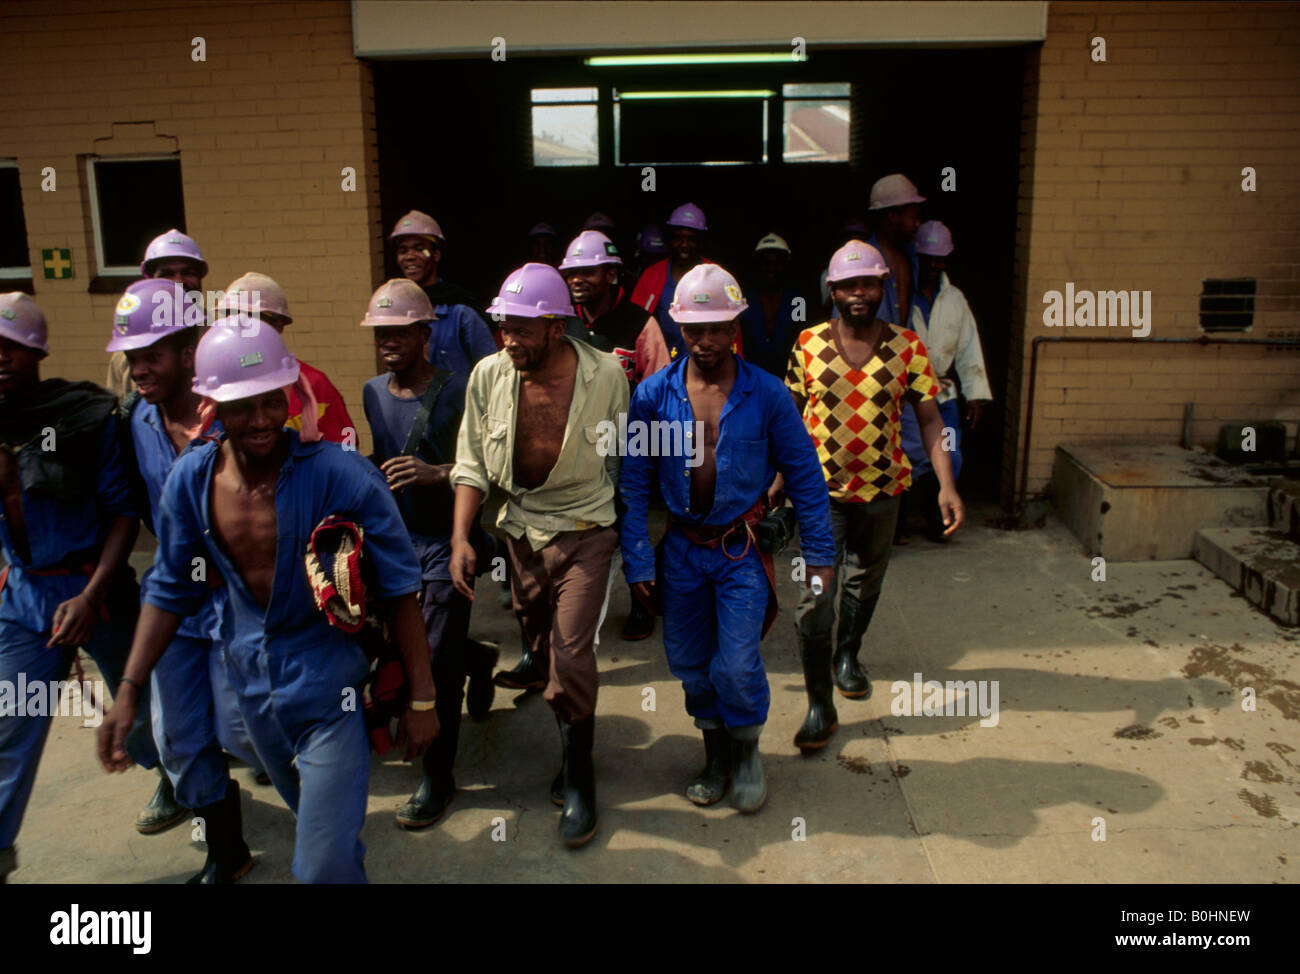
[493, 148]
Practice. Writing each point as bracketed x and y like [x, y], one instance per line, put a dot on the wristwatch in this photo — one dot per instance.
[422, 705]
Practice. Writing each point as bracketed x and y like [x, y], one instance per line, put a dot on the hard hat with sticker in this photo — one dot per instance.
[700, 298]
[733, 292]
[253, 358]
[8, 314]
[515, 287]
[385, 302]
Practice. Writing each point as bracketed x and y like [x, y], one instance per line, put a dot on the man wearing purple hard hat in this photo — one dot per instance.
[171, 256]
[655, 288]
[460, 337]
[153, 325]
[68, 526]
[650, 247]
[533, 416]
[850, 378]
[736, 430]
[414, 410]
[895, 214]
[248, 505]
[942, 318]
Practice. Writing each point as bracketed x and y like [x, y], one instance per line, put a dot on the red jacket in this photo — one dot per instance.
[332, 418]
[650, 285]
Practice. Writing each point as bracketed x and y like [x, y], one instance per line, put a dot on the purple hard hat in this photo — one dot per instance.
[591, 248]
[599, 221]
[150, 310]
[893, 190]
[173, 243]
[856, 259]
[533, 291]
[255, 294]
[688, 215]
[853, 227]
[707, 293]
[651, 241]
[240, 357]
[934, 238]
[417, 224]
[21, 321]
[398, 302]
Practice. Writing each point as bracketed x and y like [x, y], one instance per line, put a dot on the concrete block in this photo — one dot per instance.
[1261, 563]
[1129, 501]
[1284, 508]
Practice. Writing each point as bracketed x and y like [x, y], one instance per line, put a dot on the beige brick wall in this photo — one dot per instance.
[1131, 179]
[263, 127]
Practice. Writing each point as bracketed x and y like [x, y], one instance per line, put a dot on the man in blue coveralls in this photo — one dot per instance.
[67, 529]
[247, 506]
[151, 328]
[414, 412]
[736, 429]
[460, 337]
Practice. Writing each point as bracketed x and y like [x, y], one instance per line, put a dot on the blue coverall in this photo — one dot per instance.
[460, 339]
[888, 310]
[61, 535]
[714, 606]
[296, 676]
[192, 700]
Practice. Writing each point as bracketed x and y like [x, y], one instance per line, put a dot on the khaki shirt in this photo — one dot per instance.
[579, 492]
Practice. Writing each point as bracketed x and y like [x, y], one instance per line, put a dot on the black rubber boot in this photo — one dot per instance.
[8, 863]
[223, 827]
[578, 821]
[557, 783]
[710, 786]
[162, 812]
[850, 678]
[640, 623]
[526, 675]
[437, 786]
[748, 785]
[925, 495]
[822, 720]
[480, 661]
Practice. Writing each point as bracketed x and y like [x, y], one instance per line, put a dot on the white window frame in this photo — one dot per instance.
[103, 269]
[17, 272]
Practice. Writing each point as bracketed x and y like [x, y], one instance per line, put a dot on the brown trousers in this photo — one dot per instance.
[558, 592]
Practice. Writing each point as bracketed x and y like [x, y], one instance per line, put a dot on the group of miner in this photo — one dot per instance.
[294, 574]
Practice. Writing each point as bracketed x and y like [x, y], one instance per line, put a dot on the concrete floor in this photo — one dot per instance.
[1119, 700]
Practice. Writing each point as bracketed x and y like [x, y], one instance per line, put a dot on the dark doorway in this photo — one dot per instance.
[455, 140]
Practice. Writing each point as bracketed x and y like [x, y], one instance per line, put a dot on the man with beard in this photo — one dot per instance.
[247, 507]
[68, 527]
[531, 431]
[188, 690]
[460, 337]
[850, 378]
[607, 320]
[738, 430]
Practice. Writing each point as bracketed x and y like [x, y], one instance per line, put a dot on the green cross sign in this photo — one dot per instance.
[57, 262]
